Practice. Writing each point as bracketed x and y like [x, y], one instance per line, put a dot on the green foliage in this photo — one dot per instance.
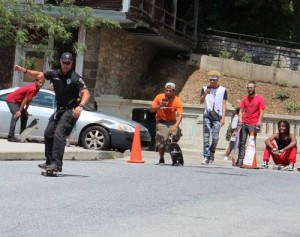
[247, 58]
[224, 53]
[282, 95]
[283, 84]
[293, 106]
[30, 23]
[271, 19]
[79, 48]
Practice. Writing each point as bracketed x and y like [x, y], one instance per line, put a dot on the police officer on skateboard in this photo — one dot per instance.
[71, 95]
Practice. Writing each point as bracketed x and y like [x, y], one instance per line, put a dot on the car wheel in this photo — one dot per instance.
[95, 138]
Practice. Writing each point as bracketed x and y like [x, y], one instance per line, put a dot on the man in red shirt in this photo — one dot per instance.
[168, 108]
[18, 103]
[251, 114]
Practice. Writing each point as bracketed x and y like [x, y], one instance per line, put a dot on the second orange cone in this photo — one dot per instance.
[136, 149]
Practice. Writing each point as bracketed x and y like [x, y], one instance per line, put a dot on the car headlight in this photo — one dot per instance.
[126, 128]
[118, 126]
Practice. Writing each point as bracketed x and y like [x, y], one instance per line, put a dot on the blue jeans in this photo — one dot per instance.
[212, 128]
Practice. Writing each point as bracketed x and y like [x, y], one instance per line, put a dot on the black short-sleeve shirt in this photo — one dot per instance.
[66, 87]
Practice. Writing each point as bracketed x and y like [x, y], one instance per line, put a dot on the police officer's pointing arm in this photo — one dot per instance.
[33, 73]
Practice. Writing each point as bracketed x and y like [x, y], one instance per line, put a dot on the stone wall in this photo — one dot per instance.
[264, 54]
[122, 59]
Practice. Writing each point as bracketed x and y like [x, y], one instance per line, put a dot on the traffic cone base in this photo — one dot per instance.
[254, 164]
[250, 156]
[136, 149]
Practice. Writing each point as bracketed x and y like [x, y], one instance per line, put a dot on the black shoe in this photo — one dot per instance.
[239, 162]
[212, 158]
[13, 139]
[43, 166]
[53, 167]
[161, 161]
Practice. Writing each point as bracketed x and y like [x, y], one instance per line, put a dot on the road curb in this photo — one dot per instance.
[71, 155]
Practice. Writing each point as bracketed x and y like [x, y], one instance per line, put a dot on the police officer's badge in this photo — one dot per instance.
[69, 81]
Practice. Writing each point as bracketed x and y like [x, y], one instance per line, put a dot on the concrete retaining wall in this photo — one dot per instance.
[247, 71]
[191, 125]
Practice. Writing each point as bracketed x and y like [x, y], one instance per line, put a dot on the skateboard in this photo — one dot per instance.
[33, 125]
[52, 173]
[176, 154]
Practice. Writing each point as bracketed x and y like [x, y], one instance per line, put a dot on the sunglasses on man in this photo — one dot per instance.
[66, 63]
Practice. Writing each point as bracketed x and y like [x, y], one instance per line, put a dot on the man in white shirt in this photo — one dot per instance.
[215, 98]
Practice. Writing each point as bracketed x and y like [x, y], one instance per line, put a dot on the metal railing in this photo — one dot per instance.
[274, 51]
[160, 18]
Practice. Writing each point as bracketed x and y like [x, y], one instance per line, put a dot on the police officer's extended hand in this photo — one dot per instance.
[77, 112]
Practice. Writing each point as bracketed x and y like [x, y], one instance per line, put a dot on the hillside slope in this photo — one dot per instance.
[237, 89]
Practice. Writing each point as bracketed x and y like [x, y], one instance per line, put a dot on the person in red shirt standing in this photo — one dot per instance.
[251, 114]
[18, 103]
[168, 108]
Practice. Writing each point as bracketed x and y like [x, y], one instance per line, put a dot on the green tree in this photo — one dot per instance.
[30, 23]
[265, 18]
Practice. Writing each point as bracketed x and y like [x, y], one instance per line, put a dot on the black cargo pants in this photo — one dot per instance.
[59, 127]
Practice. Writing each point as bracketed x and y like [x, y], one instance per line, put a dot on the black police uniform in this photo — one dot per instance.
[60, 125]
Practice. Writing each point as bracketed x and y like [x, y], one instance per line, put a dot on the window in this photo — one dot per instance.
[43, 99]
[3, 97]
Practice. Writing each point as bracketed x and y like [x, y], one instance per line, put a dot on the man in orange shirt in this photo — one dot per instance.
[168, 108]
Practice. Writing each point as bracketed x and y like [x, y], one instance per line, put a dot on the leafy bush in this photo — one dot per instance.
[283, 84]
[224, 53]
[282, 95]
[293, 106]
[247, 58]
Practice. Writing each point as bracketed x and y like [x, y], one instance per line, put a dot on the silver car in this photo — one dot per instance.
[93, 130]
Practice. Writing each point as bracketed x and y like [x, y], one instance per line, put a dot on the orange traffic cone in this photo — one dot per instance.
[250, 156]
[136, 149]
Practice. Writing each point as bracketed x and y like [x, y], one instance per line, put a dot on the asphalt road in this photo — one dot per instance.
[116, 198]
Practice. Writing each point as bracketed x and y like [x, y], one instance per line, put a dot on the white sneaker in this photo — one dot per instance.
[205, 162]
[264, 165]
[226, 158]
[290, 167]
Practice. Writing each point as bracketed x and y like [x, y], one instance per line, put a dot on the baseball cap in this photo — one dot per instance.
[170, 85]
[66, 57]
[213, 74]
